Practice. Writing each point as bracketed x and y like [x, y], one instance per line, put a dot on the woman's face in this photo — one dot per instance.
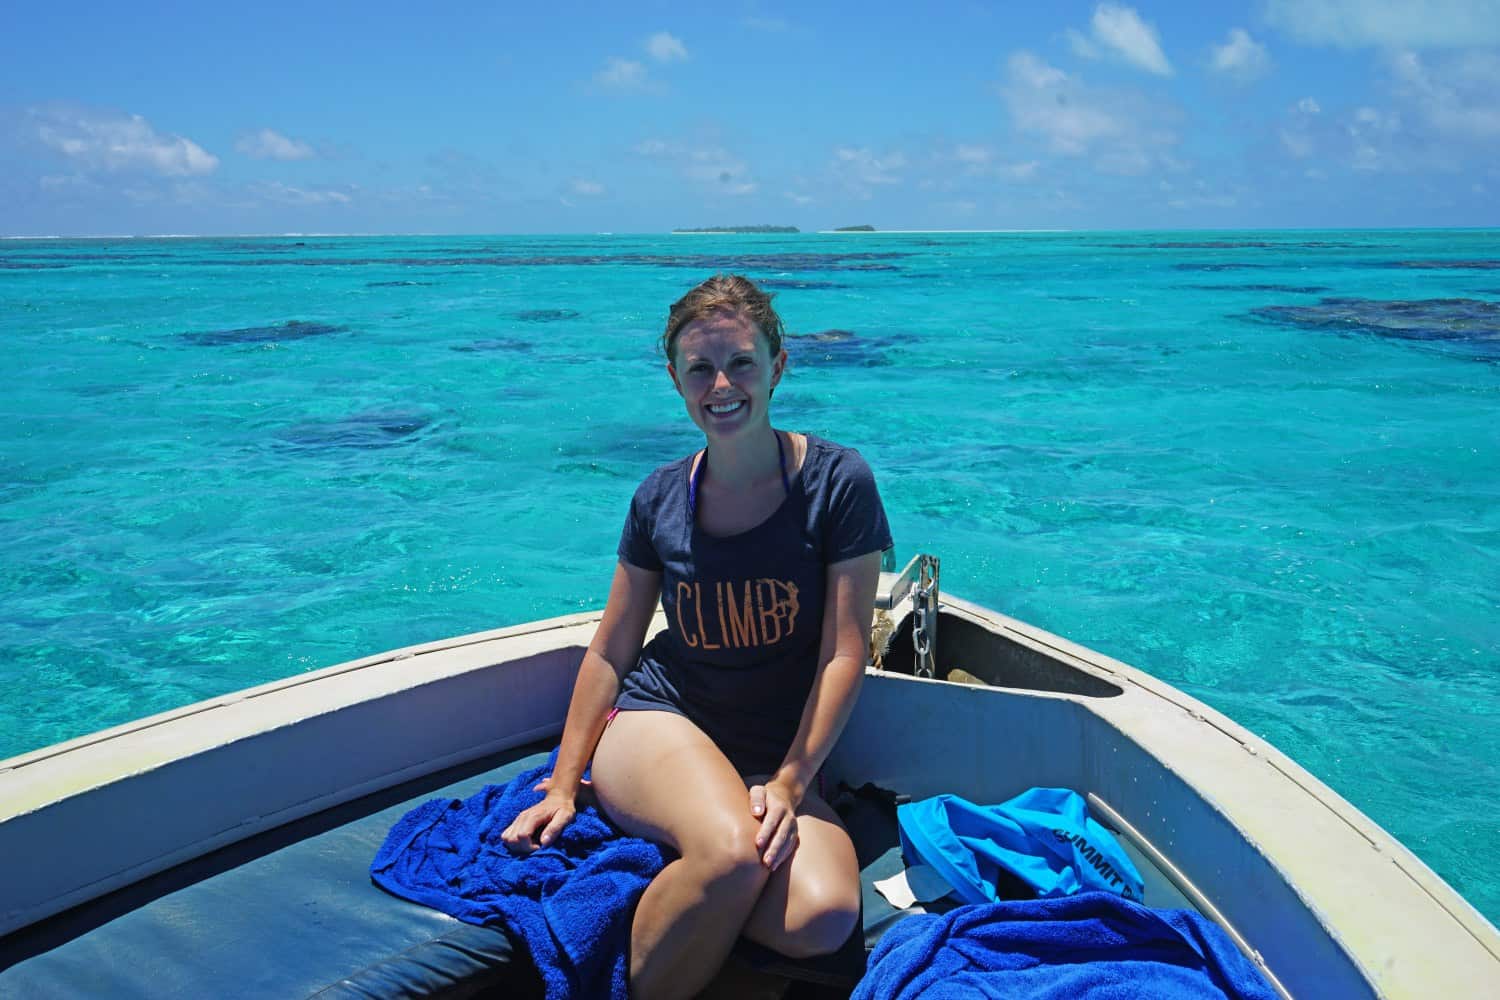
[724, 371]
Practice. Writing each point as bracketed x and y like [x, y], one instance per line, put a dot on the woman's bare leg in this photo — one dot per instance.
[658, 776]
[810, 904]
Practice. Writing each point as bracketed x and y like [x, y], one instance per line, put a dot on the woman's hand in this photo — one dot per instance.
[549, 816]
[774, 805]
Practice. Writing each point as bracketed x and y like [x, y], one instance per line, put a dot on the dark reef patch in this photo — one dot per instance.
[1290, 289]
[545, 315]
[1447, 265]
[868, 261]
[1205, 266]
[363, 431]
[13, 264]
[1235, 245]
[493, 344]
[396, 284]
[295, 329]
[1468, 324]
[838, 347]
[786, 284]
[594, 468]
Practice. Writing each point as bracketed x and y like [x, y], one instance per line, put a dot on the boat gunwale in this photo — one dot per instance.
[1124, 714]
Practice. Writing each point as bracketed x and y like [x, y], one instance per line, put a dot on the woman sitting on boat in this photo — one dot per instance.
[764, 550]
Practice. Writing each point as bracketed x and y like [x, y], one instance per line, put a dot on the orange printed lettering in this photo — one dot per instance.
[683, 592]
[698, 609]
[719, 589]
[770, 609]
[741, 619]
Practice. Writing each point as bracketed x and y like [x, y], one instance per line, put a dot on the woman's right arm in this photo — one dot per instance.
[633, 595]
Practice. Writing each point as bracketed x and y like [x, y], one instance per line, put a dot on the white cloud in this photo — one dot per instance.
[1080, 44]
[1456, 98]
[860, 170]
[268, 144]
[974, 155]
[1202, 197]
[285, 194]
[623, 74]
[587, 188]
[1415, 24]
[120, 142]
[711, 167]
[1372, 134]
[962, 207]
[799, 199]
[664, 47]
[1297, 142]
[1119, 30]
[1123, 132]
[1045, 100]
[1308, 106]
[1024, 171]
[1240, 58]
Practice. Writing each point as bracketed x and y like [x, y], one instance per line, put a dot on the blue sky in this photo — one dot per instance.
[559, 118]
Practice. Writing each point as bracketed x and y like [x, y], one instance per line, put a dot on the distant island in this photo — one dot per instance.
[855, 229]
[740, 229]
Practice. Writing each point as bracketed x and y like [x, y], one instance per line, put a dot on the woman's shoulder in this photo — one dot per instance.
[662, 478]
[826, 457]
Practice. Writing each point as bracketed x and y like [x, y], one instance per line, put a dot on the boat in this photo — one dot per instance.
[223, 848]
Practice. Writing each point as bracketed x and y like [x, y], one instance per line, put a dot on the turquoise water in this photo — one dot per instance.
[1262, 466]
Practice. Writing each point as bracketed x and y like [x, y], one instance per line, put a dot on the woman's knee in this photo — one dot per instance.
[819, 920]
[723, 849]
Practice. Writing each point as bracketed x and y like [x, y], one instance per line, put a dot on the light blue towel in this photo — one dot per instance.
[1043, 836]
[571, 902]
[1092, 945]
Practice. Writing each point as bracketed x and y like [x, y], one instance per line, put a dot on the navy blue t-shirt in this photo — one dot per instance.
[745, 613]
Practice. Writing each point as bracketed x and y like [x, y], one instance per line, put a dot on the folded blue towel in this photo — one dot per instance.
[571, 901]
[1094, 944]
[1044, 836]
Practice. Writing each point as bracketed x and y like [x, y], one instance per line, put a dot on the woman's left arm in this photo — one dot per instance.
[845, 645]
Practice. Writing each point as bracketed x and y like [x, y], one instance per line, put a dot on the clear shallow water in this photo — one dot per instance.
[1237, 461]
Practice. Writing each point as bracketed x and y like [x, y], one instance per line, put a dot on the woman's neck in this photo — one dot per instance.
[744, 461]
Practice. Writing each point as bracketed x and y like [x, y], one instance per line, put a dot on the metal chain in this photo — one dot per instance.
[921, 638]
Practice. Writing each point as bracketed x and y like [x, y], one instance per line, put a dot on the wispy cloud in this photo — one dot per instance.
[268, 144]
[1241, 58]
[586, 188]
[1408, 24]
[623, 75]
[860, 171]
[664, 47]
[1121, 131]
[114, 142]
[974, 156]
[712, 168]
[1044, 100]
[285, 194]
[1456, 98]
[1118, 31]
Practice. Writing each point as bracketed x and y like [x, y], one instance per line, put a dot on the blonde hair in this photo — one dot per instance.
[724, 293]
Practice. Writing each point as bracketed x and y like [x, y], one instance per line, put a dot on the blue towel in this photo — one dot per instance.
[1093, 944]
[1043, 836]
[571, 901]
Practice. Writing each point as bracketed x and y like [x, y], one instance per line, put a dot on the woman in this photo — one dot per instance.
[764, 550]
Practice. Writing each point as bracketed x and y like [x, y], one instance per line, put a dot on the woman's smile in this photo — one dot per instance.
[724, 370]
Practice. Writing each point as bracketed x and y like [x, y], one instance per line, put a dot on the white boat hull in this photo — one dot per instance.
[1325, 900]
